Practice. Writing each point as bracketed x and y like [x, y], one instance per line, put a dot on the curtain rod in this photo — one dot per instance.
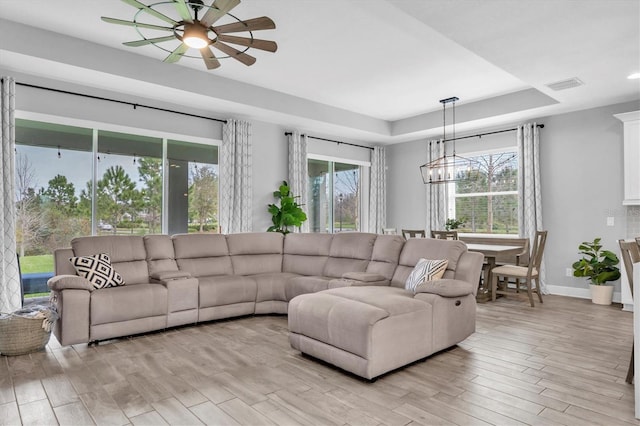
[331, 140]
[134, 105]
[480, 135]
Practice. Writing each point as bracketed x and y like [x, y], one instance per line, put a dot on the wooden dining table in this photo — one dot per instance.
[490, 252]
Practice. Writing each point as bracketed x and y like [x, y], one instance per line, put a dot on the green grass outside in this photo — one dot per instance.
[31, 295]
[35, 264]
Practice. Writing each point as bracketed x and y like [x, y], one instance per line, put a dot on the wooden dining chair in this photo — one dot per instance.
[523, 275]
[630, 251]
[414, 233]
[389, 231]
[444, 235]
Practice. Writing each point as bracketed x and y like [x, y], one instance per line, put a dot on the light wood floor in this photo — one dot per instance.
[560, 363]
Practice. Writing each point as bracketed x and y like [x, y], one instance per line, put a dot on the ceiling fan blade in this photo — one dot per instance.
[209, 58]
[254, 24]
[234, 53]
[144, 42]
[268, 45]
[135, 24]
[150, 11]
[183, 10]
[176, 54]
[218, 9]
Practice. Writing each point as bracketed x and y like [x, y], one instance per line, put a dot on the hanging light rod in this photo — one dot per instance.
[479, 135]
[449, 100]
[331, 140]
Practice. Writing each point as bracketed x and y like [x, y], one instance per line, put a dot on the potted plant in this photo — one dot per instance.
[598, 266]
[452, 224]
[288, 214]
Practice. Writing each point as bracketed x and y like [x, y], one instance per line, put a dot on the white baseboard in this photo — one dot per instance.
[581, 293]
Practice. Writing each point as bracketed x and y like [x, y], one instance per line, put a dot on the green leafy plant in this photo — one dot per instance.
[453, 223]
[597, 265]
[288, 214]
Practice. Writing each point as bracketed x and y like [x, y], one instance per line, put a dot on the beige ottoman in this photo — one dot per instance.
[365, 330]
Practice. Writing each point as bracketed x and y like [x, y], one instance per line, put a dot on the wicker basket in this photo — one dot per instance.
[20, 335]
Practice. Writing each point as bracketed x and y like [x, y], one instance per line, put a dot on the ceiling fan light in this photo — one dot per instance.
[195, 36]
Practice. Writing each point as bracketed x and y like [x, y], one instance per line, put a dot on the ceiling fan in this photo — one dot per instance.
[199, 33]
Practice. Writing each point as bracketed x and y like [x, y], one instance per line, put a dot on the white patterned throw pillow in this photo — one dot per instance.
[98, 270]
[425, 270]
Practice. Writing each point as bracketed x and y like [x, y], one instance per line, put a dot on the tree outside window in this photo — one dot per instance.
[487, 199]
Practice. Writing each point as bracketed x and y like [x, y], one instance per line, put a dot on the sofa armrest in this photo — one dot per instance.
[446, 288]
[365, 277]
[75, 282]
[164, 276]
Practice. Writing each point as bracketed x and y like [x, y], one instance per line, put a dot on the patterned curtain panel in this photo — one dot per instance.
[10, 294]
[378, 191]
[235, 177]
[436, 194]
[298, 173]
[530, 198]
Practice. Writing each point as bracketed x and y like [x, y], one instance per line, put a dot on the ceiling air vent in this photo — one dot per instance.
[565, 84]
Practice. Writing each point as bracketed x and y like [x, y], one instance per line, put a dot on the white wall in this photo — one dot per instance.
[581, 177]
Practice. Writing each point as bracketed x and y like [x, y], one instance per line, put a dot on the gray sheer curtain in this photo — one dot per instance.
[530, 198]
[378, 191]
[235, 177]
[298, 172]
[436, 194]
[10, 298]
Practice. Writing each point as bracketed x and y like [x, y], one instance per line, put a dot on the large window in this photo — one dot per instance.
[487, 201]
[335, 202]
[143, 184]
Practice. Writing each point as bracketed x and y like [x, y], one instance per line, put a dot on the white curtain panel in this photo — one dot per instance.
[378, 191]
[10, 298]
[530, 202]
[298, 173]
[235, 177]
[436, 193]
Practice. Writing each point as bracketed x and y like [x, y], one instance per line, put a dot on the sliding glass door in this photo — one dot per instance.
[334, 196]
[143, 185]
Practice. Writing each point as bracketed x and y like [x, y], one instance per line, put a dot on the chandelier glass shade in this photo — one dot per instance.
[449, 167]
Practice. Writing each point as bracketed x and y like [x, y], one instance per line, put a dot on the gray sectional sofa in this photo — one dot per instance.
[191, 278]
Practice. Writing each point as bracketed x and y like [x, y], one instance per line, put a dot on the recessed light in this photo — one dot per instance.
[634, 76]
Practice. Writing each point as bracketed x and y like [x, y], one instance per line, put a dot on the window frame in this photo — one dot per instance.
[452, 195]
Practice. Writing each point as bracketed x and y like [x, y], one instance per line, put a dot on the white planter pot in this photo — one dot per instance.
[601, 294]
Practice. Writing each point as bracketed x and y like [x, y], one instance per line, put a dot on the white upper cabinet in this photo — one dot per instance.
[631, 122]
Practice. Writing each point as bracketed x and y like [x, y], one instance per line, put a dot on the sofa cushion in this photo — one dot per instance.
[385, 255]
[395, 301]
[226, 290]
[160, 254]
[125, 303]
[349, 252]
[306, 254]
[425, 270]
[271, 286]
[428, 248]
[120, 248]
[194, 246]
[256, 253]
[202, 254]
[127, 254]
[98, 270]
[303, 284]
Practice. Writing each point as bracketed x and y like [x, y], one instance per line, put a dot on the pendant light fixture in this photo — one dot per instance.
[449, 167]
